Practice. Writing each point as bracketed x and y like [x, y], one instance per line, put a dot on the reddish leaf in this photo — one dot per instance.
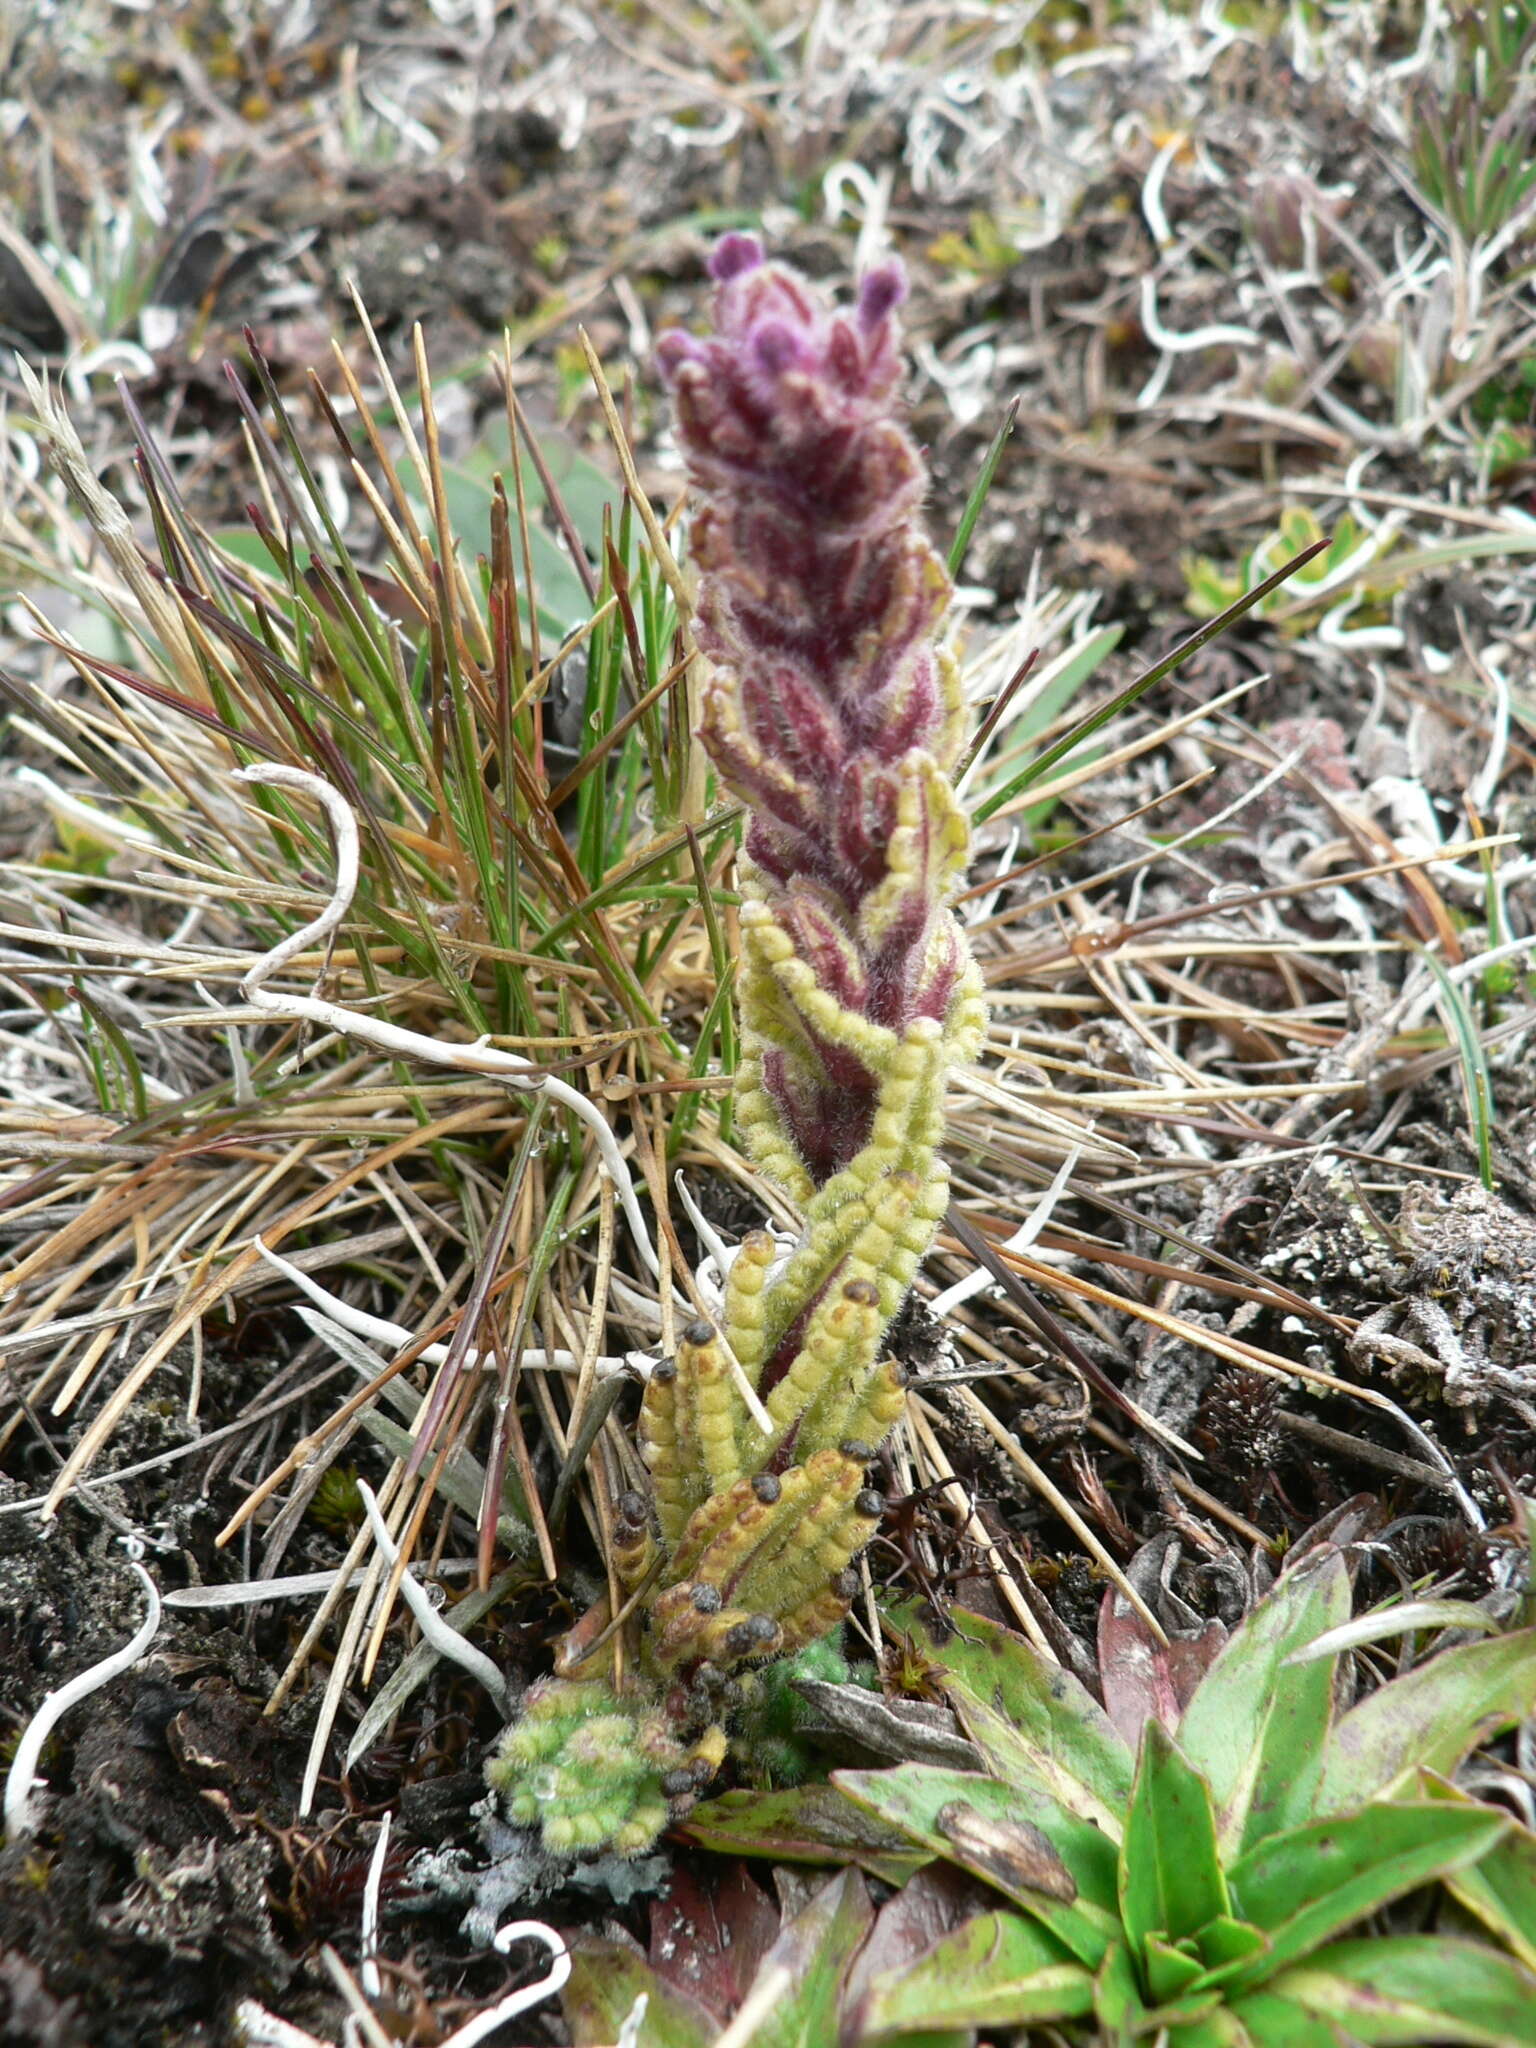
[1145, 1680]
[710, 1932]
[1190, 1657]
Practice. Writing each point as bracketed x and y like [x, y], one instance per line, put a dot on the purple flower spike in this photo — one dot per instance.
[832, 712]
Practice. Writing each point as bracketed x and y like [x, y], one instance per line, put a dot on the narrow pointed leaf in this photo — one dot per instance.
[1032, 1721]
[816, 1949]
[998, 1970]
[1305, 1887]
[1255, 1727]
[1428, 1719]
[1125, 2015]
[1170, 1877]
[1412, 1989]
[947, 1812]
[1383, 1623]
[1117, 2000]
[1500, 1890]
[1144, 682]
[1227, 1941]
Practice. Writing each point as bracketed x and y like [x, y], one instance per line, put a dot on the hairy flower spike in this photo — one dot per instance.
[830, 711]
[835, 716]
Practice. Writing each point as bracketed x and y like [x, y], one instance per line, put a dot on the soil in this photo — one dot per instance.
[170, 1876]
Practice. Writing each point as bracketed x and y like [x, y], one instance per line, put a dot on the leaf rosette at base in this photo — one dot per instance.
[1197, 1891]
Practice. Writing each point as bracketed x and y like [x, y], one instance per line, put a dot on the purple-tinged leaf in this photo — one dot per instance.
[1411, 1989]
[606, 1978]
[1255, 1727]
[933, 1904]
[993, 1830]
[708, 1938]
[805, 1824]
[1500, 1890]
[999, 1970]
[1033, 1721]
[812, 1957]
[1427, 1720]
[1305, 1887]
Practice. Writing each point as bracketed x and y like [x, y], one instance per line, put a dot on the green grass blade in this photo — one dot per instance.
[1089, 725]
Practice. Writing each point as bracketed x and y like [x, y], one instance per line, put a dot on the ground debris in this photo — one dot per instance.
[1464, 1306]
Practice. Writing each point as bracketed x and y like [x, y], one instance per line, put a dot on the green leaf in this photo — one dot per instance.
[1057, 683]
[1124, 2014]
[606, 1978]
[804, 1824]
[1269, 2020]
[1382, 1623]
[1410, 1989]
[923, 2037]
[1170, 1877]
[1218, 2028]
[952, 1813]
[467, 489]
[815, 1949]
[998, 1970]
[1429, 1719]
[1477, 1084]
[1170, 1968]
[1501, 1891]
[979, 490]
[1032, 1721]
[1228, 1948]
[1117, 1999]
[937, 2037]
[1255, 1726]
[1123, 699]
[1305, 1887]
